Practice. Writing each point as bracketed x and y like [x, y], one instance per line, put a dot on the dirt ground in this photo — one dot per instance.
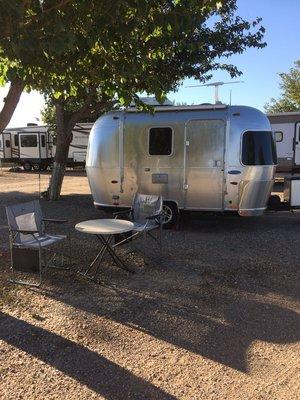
[216, 318]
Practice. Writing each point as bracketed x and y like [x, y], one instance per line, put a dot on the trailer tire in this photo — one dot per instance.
[274, 202]
[171, 214]
[27, 167]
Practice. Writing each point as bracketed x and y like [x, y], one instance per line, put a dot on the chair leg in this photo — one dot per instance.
[40, 264]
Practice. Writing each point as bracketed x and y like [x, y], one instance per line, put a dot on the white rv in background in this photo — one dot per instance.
[33, 146]
[286, 128]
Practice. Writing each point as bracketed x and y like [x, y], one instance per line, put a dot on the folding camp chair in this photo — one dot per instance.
[28, 240]
[147, 215]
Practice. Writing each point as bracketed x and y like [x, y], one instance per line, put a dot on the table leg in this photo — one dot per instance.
[98, 257]
[106, 247]
[119, 263]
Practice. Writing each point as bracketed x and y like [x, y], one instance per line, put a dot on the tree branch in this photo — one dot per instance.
[10, 102]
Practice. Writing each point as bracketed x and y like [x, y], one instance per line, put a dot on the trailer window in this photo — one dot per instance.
[43, 140]
[278, 136]
[0, 143]
[29, 141]
[160, 141]
[16, 140]
[258, 148]
[7, 143]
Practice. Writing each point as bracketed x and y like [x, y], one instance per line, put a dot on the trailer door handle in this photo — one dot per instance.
[147, 169]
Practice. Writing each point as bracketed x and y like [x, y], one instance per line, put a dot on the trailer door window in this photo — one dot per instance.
[16, 140]
[7, 143]
[29, 141]
[258, 148]
[160, 141]
[43, 140]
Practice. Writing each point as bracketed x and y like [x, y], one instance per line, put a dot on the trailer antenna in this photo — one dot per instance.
[216, 85]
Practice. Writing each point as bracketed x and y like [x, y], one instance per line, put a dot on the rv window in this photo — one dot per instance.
[7, 143]
[278, 136]
[43, 140]
[16, 140]
[0, 143]
[258, 148]
[160, 141]
[28, 141]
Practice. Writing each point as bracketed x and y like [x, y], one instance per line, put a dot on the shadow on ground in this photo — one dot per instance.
[88, 367]
[209, 294]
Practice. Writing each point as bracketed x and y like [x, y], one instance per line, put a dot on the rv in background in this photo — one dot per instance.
[286, 128]
[202, 157]
[33, 146]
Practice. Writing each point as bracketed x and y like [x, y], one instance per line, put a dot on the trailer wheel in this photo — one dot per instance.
[36, 167]
[44, 167]
[171, 214]
[274, 202]
[27, 167]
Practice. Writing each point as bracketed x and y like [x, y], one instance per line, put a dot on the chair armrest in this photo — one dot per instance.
[123, 212]
[24, 231]
[57, 221]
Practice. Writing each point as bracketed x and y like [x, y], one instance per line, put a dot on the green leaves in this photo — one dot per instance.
[290, 97]
[123, 47]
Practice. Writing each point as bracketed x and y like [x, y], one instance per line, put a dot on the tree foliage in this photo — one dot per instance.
[128, 47]
[91, 53]
[290, 92]
[71, 106]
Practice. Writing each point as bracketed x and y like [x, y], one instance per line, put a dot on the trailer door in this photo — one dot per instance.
[1, 148]
[43, 145]
[15, 145]
[297, 145]
[204, 164]
[6, 145]
[29, 145]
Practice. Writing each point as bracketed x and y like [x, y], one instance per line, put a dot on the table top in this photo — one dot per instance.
[104, 226]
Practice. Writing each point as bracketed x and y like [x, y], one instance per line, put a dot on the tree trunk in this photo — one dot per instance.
[65, 123]
[10, 103]
[64, 136]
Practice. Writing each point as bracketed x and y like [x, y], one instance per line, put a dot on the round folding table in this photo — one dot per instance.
[104, 230]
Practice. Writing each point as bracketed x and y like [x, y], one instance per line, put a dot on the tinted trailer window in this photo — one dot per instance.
[160, 141]
[258, 148]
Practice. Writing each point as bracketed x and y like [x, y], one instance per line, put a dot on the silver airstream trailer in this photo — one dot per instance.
[207, 158]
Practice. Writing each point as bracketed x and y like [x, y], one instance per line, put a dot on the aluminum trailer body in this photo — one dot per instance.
[206, 158]
[286, 128]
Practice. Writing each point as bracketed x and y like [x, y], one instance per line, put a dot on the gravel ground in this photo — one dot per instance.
[216, 318]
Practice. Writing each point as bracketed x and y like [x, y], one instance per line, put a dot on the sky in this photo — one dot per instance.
[260, 67]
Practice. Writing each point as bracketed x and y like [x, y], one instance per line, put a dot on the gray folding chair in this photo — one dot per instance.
[28, 240]
[147, 215]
